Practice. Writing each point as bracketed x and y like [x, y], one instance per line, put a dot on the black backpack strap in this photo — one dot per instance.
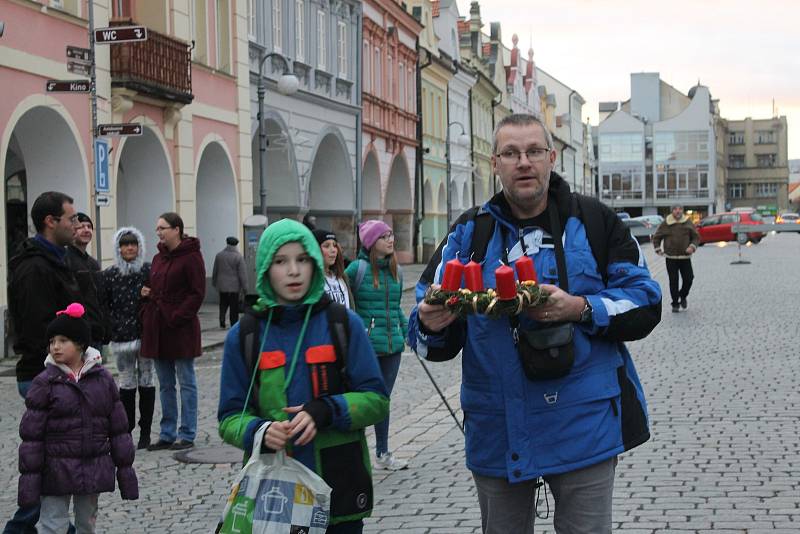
[481, 234]
[248, 344]
[591, 215]
[339, 326]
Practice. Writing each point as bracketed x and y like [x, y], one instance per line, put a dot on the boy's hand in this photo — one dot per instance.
[277, 435]
[302, 424]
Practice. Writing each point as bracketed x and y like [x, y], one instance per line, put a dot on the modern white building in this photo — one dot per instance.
[660, 147]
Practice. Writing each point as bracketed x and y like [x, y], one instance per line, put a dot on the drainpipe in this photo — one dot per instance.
[419, 188]
[359, 119]
[471, 145]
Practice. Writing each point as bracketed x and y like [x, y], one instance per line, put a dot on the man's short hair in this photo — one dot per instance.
[232, 241]
[521, 119]
[676, 206]
[83, 218]
[48, 203]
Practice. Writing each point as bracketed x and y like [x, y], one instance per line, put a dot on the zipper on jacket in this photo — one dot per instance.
[388, 323]
[371, 326]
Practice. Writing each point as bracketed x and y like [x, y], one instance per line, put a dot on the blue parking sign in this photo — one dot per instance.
[102, 183]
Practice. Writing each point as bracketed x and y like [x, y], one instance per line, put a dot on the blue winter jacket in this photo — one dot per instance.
[521, 429]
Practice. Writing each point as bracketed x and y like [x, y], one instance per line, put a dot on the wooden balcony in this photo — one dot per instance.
[160, 67]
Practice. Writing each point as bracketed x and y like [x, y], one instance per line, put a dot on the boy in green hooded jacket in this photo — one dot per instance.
[319, 421]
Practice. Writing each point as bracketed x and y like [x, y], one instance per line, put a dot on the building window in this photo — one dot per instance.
[197, 23]
[766, 190]
[736, 190]
[251, 19]
[621, 147]
[322, 62]
[342, 48]
[764, 137]
[736, 161]
[300, 30]
[367, 78]
[412, 91]
[389, 80]
[681, 146]
[378, 67]
[766, 160]
[736, 138]
[401, 82]
[223, 36]
[277, 25]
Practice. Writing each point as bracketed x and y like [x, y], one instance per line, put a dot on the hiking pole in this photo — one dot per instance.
[441, 395]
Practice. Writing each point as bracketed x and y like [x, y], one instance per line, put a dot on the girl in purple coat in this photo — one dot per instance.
[74, 432]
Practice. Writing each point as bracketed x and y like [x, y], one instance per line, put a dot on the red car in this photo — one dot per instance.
[717, 227]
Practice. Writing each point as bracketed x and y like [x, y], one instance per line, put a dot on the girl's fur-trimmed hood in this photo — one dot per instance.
[128, 267]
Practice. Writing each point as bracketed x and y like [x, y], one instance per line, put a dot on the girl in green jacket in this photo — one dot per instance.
[377, 286]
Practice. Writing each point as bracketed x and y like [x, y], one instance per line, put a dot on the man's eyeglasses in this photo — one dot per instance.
[73, 219]
[512, 156]
[388, 236]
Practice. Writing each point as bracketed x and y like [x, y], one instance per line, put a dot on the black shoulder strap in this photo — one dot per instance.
[248, 343]
[592, 217]
[339, 325]
[481, 234]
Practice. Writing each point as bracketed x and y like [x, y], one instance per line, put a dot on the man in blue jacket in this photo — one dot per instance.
[567, 429]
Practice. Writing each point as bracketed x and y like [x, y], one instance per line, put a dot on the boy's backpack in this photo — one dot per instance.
[363, 265]
[338, 324]
[590, 214]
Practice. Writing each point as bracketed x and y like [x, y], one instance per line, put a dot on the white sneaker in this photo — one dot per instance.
[388, 462]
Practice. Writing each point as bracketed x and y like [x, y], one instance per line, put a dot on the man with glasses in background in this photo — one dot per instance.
[552, 392]
[39, 284]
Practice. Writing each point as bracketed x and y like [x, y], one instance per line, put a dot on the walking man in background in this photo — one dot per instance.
[677, 239]
[229, 279]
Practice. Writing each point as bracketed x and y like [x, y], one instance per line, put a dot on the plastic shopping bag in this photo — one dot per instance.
[275, 494]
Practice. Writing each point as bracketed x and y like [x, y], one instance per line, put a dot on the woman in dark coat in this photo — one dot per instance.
[171, 328]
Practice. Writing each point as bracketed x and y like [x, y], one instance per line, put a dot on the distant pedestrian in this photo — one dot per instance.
[87, 273]
[75, 438]
[677, 239]
[122, 283]
[310, 221]
[377, 284]
[229, 278]
[336, 285]
[171, 328]
[39, 284]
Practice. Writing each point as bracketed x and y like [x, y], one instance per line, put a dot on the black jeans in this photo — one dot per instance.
[227, 300]
[684, 267]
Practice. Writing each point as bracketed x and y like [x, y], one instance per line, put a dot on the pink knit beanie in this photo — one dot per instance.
[370, 231]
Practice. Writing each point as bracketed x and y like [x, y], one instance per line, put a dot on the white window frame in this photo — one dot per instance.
[367, 59]
[251, 19]
[401, 86]
[377, 68]
[322, 21]
[277, 25]
[341, 49]
[299, 30]
[389, 79]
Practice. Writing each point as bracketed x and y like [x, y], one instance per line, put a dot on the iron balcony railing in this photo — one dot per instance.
[161, 66]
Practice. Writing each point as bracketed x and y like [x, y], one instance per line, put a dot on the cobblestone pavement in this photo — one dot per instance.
[722, 386]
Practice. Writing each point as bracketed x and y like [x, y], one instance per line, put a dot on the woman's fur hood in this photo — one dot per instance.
[134, 266]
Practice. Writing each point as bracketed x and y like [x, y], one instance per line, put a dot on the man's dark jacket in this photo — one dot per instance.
[89, 278]
[39, 285]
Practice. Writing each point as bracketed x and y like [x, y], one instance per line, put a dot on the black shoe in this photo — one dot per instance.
[675, 308]
[222, 325]
[181, 445]
[684, 304]
[161, 445]
[144, 442]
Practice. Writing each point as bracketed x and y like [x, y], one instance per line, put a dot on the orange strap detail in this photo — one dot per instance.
[321, 354]
[271, 360]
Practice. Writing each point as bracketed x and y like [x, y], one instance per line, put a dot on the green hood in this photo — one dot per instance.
[274, 237]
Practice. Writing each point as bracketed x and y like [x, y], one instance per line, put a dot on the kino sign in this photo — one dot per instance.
[120, 34]
[68, 86]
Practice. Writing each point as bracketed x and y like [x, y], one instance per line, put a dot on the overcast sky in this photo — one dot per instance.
[747, 53]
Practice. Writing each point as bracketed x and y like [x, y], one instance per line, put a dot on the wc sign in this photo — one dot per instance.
[102, 183]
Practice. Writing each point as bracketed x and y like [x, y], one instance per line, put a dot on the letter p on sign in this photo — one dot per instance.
[102, 184]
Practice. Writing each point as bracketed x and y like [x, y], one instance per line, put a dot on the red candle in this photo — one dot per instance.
[474, 276]
[453, 270]
[506, 285]
[525, 269]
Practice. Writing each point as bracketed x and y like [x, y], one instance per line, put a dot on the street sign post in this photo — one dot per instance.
[79, 54]
[68, 86]
[118, 130]
[102, 184]
[102, 201]
[120, 34]
[79, 67]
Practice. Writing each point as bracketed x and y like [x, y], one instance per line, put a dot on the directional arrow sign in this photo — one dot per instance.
[116, 130]
[102, 200]
[78, 67]
[68, 86]
[78, 53]
[120, 34]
